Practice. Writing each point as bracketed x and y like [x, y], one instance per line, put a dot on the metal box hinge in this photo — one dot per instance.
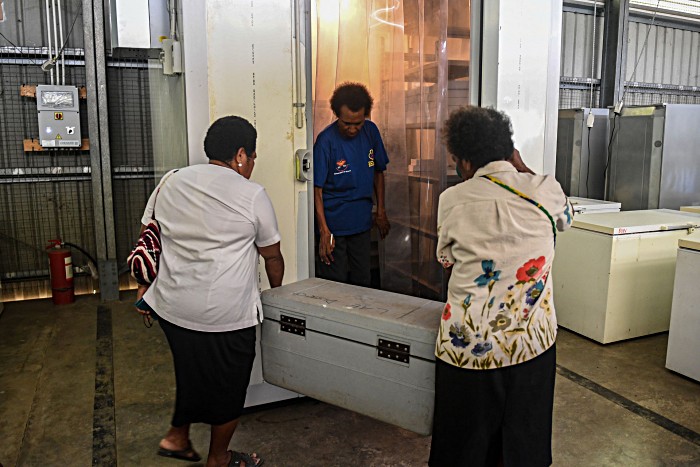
[293, 325]
[394, 351]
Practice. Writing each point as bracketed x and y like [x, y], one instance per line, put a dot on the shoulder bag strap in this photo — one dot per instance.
[153, 214]
[526, 198]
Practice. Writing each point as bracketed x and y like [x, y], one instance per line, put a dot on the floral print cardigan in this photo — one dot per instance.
[500, 308]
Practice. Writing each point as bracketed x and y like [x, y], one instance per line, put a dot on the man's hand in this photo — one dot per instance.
[518, 163]
[382, 224]
[380, 220]
[326, 245]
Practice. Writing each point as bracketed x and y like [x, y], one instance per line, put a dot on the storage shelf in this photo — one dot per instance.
[405, 272]
[455, 69]
[424, 65]
[453, 32]
[427, 232]
[413, 176]
[415, 56]
[450, 178]
[458, 32]
[421, 126]
[395, 173]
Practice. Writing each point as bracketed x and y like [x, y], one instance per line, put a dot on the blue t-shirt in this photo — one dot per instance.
[344, 168]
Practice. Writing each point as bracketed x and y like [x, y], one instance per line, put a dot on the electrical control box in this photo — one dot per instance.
[59, 116]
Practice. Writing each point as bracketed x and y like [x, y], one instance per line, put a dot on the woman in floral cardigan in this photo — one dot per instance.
[495, 350]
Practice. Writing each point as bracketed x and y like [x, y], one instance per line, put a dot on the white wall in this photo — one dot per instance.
[194, 47]
[521, 58]
[239, 61]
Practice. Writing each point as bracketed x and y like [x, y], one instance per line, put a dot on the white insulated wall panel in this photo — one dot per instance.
[250, 74]
[521, 66]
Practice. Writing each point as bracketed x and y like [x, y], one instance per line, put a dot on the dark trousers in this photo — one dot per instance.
[485, 416]
[351, 260]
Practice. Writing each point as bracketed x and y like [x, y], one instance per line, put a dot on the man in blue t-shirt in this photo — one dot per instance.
[349, 165]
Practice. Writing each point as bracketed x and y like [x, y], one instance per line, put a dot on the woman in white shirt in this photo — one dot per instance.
[495, 350]
[214, 222]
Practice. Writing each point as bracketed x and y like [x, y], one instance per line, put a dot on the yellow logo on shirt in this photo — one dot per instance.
[371, 158]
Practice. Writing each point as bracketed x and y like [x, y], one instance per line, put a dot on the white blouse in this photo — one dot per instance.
[500, 308]
[212, 220]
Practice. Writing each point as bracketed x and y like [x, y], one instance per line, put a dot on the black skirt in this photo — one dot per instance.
[483, 415]
[212, 373]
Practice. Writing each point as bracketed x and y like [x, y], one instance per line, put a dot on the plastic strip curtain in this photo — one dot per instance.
[363, 41]
[433, 180]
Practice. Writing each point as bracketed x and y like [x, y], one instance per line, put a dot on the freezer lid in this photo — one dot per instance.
[414, 319]
[695, 214]
[691, 242]
[693, 209]
[591, 205]
[632, 222]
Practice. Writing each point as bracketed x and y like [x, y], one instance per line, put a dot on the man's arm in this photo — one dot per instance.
[382, 220]
[325, 244]
[274, 263]
[518, 163]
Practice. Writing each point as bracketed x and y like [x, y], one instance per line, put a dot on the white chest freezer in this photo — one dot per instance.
[588, 205]
[613, 272]
[683, 354]
[365, 350]
[693, 209]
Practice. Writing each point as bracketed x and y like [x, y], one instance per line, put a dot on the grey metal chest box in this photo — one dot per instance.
[365, 350]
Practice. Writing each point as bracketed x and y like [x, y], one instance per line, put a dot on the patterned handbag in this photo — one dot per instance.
[144, 258]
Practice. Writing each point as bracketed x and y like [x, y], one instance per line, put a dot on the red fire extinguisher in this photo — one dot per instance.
[61, 267]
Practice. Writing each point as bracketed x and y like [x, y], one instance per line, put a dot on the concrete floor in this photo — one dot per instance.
[614, 405]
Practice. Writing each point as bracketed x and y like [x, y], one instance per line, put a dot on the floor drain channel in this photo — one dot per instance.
[104, 450]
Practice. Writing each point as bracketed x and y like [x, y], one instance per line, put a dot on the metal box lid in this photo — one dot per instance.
[582, 205]
[631, 222]
[360, 309]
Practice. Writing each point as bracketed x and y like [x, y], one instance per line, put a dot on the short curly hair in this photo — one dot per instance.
[227, 135]
[479, 135]
[354, 95]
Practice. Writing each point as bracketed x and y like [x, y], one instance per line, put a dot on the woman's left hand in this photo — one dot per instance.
[139, 295]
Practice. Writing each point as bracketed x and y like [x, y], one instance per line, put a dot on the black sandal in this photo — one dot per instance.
[250, 461]
[187, 454]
